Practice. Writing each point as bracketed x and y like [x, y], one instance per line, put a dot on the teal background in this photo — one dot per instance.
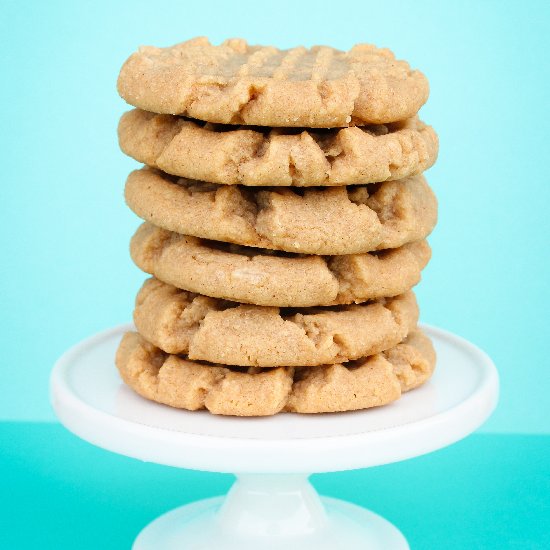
[65, 271]
[487, 492]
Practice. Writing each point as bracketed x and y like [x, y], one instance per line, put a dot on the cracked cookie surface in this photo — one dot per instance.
[236, 83]
[218, 331]
[262, 277]
[369, 382]
[278, 157]
[327, 221]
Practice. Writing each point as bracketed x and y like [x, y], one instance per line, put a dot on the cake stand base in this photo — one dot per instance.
[270, 512]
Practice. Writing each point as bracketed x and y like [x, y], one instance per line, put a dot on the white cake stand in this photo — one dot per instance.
[272, 505]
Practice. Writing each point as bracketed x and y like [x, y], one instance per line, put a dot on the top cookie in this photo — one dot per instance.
[235, 83]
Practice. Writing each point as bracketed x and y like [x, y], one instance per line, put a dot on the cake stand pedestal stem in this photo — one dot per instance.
[272, 505]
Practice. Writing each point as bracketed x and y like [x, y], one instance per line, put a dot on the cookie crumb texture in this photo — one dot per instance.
[323, 221]
[278, 157]
[368, 382]
[236, 83]
[218, 331]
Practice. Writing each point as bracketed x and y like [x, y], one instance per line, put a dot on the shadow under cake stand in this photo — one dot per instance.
[272, 505]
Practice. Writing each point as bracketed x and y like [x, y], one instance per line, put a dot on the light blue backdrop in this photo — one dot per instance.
[65, 270]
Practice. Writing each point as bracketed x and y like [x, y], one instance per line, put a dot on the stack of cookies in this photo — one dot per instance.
[285, 222]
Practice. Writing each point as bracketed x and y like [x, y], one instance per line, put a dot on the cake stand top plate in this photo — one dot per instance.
[90, 400]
